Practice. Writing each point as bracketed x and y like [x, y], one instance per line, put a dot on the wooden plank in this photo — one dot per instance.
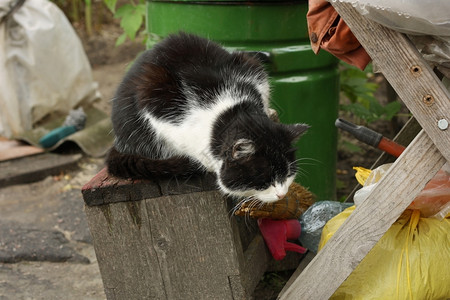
[104, 188]
[124, 257]
[11, 149]
[196, 250]
[257, 258]
[407, 72]
[428, 100]
[404, 137]
[305, 261]
[169, 247]
[370, 220]
[33, 168]
[176, 234]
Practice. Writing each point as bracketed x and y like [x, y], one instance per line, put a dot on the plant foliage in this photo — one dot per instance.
[359, 90]
[131, 15]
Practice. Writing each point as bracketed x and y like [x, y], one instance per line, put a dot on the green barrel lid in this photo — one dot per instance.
[277, 28]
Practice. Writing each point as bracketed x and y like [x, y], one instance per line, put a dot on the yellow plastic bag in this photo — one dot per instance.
[411, 261]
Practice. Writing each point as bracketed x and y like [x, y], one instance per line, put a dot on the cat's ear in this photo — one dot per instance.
[242, 148]
[296, 131]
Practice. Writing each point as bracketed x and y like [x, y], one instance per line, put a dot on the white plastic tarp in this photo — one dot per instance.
[43, 66]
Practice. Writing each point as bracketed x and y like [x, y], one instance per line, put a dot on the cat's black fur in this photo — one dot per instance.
[186, 77]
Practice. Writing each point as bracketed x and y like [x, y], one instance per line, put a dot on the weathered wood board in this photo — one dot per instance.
[12, 149]
[165, 234]
[368, 223]
[407, 72]
[33, 168]
[429, 102]
[172, 239]
[404, 138]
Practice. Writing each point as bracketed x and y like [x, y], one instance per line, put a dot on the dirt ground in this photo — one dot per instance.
[50, 211]
[45, 219]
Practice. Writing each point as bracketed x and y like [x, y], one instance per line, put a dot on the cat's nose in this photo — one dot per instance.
[280, 196]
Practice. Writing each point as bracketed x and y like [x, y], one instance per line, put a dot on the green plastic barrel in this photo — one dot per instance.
[305, 86]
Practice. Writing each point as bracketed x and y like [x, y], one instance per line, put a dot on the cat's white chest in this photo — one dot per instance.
[192, 136]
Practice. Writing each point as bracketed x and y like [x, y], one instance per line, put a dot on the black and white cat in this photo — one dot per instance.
[188, 105]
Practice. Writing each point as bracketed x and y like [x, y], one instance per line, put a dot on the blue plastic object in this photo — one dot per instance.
[54, 136]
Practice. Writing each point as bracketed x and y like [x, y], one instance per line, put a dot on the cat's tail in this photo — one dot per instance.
[139, 167]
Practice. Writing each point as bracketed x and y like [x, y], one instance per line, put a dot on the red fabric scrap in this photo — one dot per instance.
[329, 32]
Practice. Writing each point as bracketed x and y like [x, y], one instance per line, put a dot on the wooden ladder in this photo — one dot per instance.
[429, 102]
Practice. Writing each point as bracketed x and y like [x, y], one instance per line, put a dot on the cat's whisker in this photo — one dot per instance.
[260, 204]
[248, 203]
[253, 202]
[238, 206]
[301, 163]
[302, 172]
[235, 208]
[305, 161]
[302, 160]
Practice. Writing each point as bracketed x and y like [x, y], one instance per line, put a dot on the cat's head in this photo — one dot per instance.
[261, 164]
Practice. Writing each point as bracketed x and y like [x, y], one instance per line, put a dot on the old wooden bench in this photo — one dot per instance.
[429, 102]
[174, 239]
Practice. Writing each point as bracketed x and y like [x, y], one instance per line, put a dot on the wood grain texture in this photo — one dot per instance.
[36, 167]
[119, 239]
[12, 149]
[370, 220]
[305, 261]
[174, 239]
[407, 72]
[428, 100]
[104, 188]
[172, 247]
[404, 138]
[257, 257]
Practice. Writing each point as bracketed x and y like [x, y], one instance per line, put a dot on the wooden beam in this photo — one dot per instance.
[33, 168]
[407, 72]
[303, 264]
[404, 137]
[370, 220]
[429, 101]
[169, 247]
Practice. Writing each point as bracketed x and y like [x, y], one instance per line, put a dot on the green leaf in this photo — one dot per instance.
[131, 25]
[132, 17]
[357, 88]
[391, 109]
[141, 9]
[111, 4]
[121, 39]
[359, 110]
[124, 10]
[375, 107]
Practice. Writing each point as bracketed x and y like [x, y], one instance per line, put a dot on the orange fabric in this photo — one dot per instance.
[329, 32]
